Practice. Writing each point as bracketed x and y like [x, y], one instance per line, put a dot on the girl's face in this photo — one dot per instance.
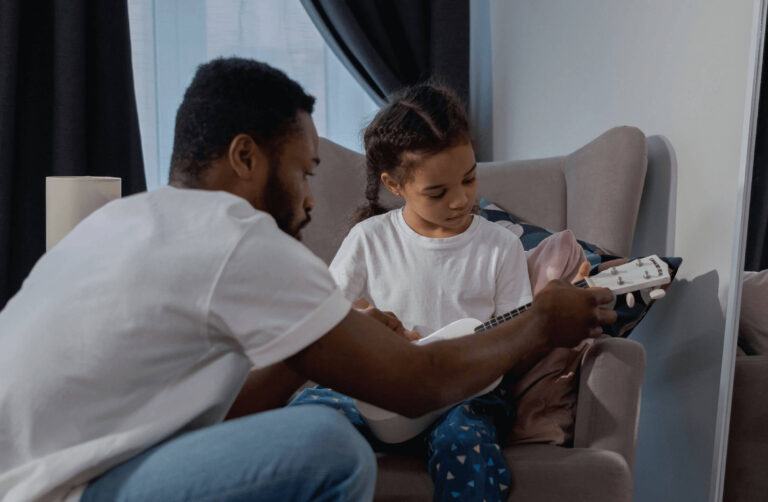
[440, 192]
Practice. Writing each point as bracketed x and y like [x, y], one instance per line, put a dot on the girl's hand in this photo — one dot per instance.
[582, 273]
[391, 321]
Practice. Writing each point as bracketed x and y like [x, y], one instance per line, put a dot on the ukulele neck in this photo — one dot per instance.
[514, 313]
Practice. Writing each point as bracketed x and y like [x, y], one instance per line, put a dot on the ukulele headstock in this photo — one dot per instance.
[644, 273]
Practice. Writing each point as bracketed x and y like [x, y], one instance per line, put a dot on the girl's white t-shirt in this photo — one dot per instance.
[143, 322]
[430, 282]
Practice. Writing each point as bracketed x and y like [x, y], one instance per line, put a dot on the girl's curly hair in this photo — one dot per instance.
[420, 120]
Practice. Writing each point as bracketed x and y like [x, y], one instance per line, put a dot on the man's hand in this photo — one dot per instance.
[568, 314]
[391, 321]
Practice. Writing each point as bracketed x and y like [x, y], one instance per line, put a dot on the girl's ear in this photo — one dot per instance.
[391, 183]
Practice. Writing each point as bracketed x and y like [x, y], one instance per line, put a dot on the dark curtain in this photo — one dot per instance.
[67, 107]
[756, 254]
[387, 44]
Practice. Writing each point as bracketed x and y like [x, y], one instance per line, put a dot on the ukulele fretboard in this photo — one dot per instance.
[514, 313]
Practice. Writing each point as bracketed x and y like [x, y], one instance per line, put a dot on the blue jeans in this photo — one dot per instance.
[290, 454]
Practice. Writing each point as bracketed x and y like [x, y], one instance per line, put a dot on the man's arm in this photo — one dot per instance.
[361, 358]
[271, 387]
[266, 389]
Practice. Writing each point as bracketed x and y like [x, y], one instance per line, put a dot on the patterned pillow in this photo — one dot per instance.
[531, 235]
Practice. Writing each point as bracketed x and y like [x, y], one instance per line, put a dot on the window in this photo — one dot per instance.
[170, 38]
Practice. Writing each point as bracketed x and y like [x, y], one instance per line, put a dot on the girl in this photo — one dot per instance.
[432, 262]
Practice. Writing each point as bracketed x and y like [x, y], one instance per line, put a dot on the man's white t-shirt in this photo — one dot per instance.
[144, 321]
[430, 282]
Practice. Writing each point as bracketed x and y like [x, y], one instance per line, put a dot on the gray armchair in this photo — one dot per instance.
[747, 459]
[596, 192]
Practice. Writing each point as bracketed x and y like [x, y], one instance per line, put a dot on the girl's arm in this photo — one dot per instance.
[513, 285]
[387, 318]
[349, 271]
[361, 304]
[348, 267]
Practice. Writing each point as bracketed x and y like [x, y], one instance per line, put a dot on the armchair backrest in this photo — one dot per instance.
[595, 191]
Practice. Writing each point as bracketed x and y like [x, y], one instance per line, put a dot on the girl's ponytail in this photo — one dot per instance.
[372, 207]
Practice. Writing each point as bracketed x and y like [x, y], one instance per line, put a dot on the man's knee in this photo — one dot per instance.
[334, 432]
[341, 448]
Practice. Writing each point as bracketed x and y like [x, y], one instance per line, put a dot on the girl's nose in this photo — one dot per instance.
[459, 200]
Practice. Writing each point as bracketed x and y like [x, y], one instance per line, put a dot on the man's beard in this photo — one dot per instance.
[277, 200]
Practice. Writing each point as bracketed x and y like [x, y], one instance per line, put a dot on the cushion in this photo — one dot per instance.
[753, 322]
[532, 235]
[545, 396]
[556, 257]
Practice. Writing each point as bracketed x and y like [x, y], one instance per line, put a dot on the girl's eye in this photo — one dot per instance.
[439, 196]
[470, 181]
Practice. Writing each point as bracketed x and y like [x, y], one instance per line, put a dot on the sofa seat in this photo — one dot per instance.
[539, 472]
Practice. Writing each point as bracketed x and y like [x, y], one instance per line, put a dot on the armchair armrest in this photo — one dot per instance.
[748, 440]
[608, 407]
[749, 410]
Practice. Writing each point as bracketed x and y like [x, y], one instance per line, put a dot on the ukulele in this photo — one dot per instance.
[643, 275]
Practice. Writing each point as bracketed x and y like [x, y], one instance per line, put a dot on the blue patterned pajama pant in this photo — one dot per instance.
[464, 457]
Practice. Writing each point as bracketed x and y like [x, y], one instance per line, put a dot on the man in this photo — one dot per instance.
[164, 313]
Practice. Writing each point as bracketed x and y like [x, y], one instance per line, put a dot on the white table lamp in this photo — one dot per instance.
[69, 199]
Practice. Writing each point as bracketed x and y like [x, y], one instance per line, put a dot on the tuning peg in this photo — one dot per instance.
[630, 298]
[657, 294]
[614, 271]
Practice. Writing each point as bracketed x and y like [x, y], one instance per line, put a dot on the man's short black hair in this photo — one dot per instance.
[227, 97]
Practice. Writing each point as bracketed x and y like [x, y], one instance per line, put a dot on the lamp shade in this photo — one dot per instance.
[69, 199]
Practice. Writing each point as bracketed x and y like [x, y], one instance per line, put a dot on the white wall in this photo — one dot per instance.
[564, 72]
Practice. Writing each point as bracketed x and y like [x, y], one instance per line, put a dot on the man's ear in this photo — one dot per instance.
[391, 183]
[246, 158]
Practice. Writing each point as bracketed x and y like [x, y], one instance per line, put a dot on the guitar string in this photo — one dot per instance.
[516, 312]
